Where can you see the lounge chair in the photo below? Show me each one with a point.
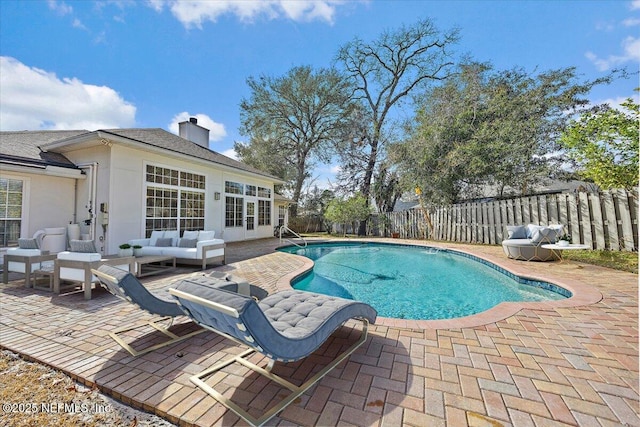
(285, 326)
(126, 286)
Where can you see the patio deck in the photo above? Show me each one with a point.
(554, 364)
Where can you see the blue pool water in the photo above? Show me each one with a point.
(414, 282)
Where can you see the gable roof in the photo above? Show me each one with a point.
(24, 147)
(161, 139)
(43, 148)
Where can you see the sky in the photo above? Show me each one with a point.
(152, 64)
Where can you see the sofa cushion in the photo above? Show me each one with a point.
(150, 251)
(206, 235)
(164, 242)
(516, 232)
(174, 235)
(155, 235)
(28, 243)
(187, 243)
(83, 246)
(186, 253)
(190, 234)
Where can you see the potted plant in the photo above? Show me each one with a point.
(125, 250)
(136, 250)
(564, 240)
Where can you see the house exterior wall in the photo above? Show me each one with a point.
(47, 201)
(121, 173)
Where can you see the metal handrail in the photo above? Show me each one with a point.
(284, 227)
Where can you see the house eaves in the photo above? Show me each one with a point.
(157, 141)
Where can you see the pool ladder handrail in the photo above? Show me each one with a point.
(285, 228)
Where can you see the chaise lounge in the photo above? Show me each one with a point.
(285, 326)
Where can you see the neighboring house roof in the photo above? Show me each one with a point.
(23, 147)
(47, 147)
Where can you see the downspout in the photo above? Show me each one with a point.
(93, 193)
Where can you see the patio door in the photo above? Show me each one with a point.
(250, 220)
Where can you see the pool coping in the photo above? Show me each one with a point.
(582, 293)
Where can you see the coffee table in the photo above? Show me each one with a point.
(557, 249)
(155, 264)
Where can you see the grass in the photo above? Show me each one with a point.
(617, 260)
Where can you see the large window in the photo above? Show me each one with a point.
(10, 210)
(175, 200)
(233, 211)
(264, 212)
(282, 214)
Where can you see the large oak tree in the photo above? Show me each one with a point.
(292, 122)
(385, 72)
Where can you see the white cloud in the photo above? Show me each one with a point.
(216, 130)
(194, 13)
(630, 53)
(635, 5)
(60, 7)
(78, 24)
(631, 22)
(34, 99)
(231, 153)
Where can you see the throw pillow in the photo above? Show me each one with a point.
(516, 232)
(188, 243)
(28, 244)
(164, 242)
(206, 235)
(83, 246)
(531, 229)
(544, 235)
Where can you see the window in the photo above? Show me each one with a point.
(264, 192)
(233, 187)
(233, 211)
(264, 212)
(175, 200)
(282, 214)
(10, 210)
(251, 190)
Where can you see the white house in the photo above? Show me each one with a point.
(120, 184)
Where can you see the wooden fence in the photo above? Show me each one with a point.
(606, 220)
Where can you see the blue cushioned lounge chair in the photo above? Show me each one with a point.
(159, 302)
(285, 326)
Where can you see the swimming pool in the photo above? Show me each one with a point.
(415, 282)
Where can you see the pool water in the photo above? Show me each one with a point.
(412, 282)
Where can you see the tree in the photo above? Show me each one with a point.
(345, 211)
(484, 128)
(604, 143)
(384, 72)
(292, 122)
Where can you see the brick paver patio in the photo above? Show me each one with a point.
(568, 363)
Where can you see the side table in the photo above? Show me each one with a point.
(86, 266)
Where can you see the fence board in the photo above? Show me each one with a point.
(597, 223)
(542, 208)
(533, 209)
(585, 215)
(624, 222)
(552, 213)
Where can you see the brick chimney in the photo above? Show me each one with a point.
(193, 132)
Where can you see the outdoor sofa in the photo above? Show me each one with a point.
(194, 247)
(525, 242)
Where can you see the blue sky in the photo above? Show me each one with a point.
(106, 64)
